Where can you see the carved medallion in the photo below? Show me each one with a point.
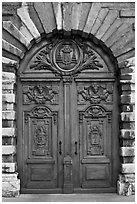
(40, 94)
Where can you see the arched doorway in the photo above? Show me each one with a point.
(67, 118)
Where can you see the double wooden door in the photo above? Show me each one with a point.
(68, 135)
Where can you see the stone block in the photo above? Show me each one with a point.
(126, 116)
(127, 160)
(9, 98)
(124, 188)
(126, 70)
(127, 13)
(127, 151)
(128, 125)
(8, 132)
(128, 86)
(9, 177)
(127, 142)
(7, 106)
(8, 123)
(10, 188)
(127, 99)
(127, 134)
(9, 77)
(128, 63)
(128, 168)
(129, 76)
(128, 108)
(8, 149)
(8, 140)
(7, 86)
(9, 167)
(8, 115)
(10, 158)
(8, 61)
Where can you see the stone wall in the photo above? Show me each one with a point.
(110, 25)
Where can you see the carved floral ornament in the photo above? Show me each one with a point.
(67, 57)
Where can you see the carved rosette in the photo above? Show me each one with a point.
(40, 94)
(67, 57)
(95, 94)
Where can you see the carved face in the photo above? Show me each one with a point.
(95, 88)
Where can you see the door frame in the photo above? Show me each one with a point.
(25, 76)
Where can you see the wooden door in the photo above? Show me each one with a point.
(41, 144)
(67, 119)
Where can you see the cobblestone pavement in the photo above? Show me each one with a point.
(71, 198)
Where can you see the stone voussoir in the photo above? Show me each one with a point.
(8, 115)
(8, 149)
(12, 49)
(127, 151)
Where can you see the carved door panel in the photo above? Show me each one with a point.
(41, 111)
(95, 109)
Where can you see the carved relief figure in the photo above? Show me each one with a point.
(94, 141)
(41, 137)
(39, 94)
(40, 140)
(95, 93)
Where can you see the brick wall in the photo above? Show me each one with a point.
(126, 180)
(10, 181)
(110, 25)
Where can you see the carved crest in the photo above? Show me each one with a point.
(66, 55)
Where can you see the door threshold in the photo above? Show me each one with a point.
(41, 191)
(95, 190)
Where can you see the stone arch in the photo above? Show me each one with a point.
(108, 25)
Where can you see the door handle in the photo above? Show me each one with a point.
(76, 148)
(60, 148)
